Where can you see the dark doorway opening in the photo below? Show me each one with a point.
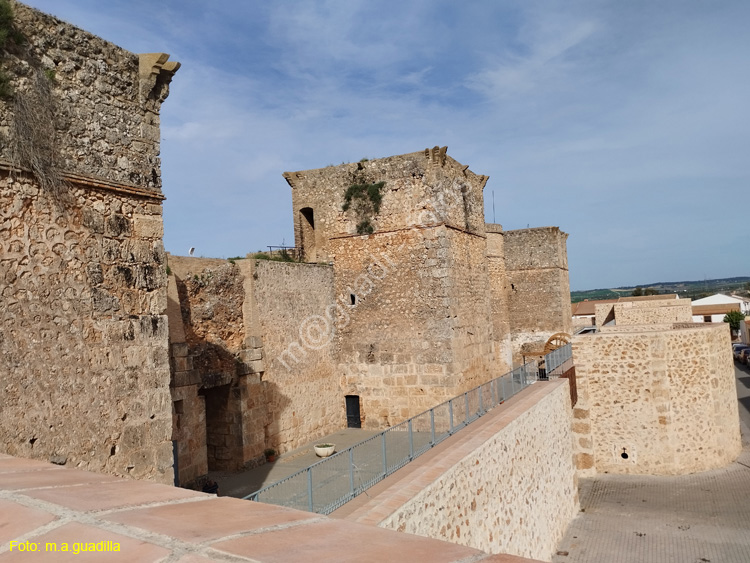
(307, 233)
(353, 419)
(223, 429)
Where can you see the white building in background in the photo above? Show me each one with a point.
(712, 309)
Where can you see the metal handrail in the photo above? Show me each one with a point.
(354, 471)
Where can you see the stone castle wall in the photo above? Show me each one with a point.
(653, 312)
(536, 262)
(656, 402)
(83, 356)
(303, 398)
(104, 101)
(84, 365)
(498, 278)
(244, 376)
(509, 486)
(393, 342)
(206, 329)
(419, 330)
(644, 311)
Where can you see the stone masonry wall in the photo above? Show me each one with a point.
(498, 279)
(201, 319)
(393, 342)
(536, 261)
(658, 402)
(104, 101)
(209, 373)
(304, 398)
(419, 331)
(645, 310)
(422, 188)
(245, 371)
(515, 492)
(83, 353)
(470, 310)
(653, 312)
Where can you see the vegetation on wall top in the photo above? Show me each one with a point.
(32, 138)
(282, 255)
(365, 199)
(8, 34)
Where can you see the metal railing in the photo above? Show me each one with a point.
(557, 361)
(332, 482)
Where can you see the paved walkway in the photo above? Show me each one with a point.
(55, 514)
(699, 518)
(238, 485)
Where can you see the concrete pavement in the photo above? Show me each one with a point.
(699, 518)
(241, 484)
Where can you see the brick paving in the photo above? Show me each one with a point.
(699, 518)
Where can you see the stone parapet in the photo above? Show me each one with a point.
(505, 484)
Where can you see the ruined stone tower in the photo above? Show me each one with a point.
(413, 306)
(536, 262)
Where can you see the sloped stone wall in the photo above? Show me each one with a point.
(510, 488)
(656, 402)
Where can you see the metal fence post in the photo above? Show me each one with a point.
(480, 399)
(411, 442)
(450, 415)
(432, 425)
(309, 489)
(351, 471)
(385, 461)
(466, 402)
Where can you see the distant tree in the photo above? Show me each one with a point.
(638, 291)
(734, 318)
(651, 291)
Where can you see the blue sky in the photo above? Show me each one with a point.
(623, 123)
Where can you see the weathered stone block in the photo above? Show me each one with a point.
(183, 363)
(148, 227)
(251, 355)
(584, 461)
(179, 349)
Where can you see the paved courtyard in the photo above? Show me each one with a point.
(700, 518)
(240, 484)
